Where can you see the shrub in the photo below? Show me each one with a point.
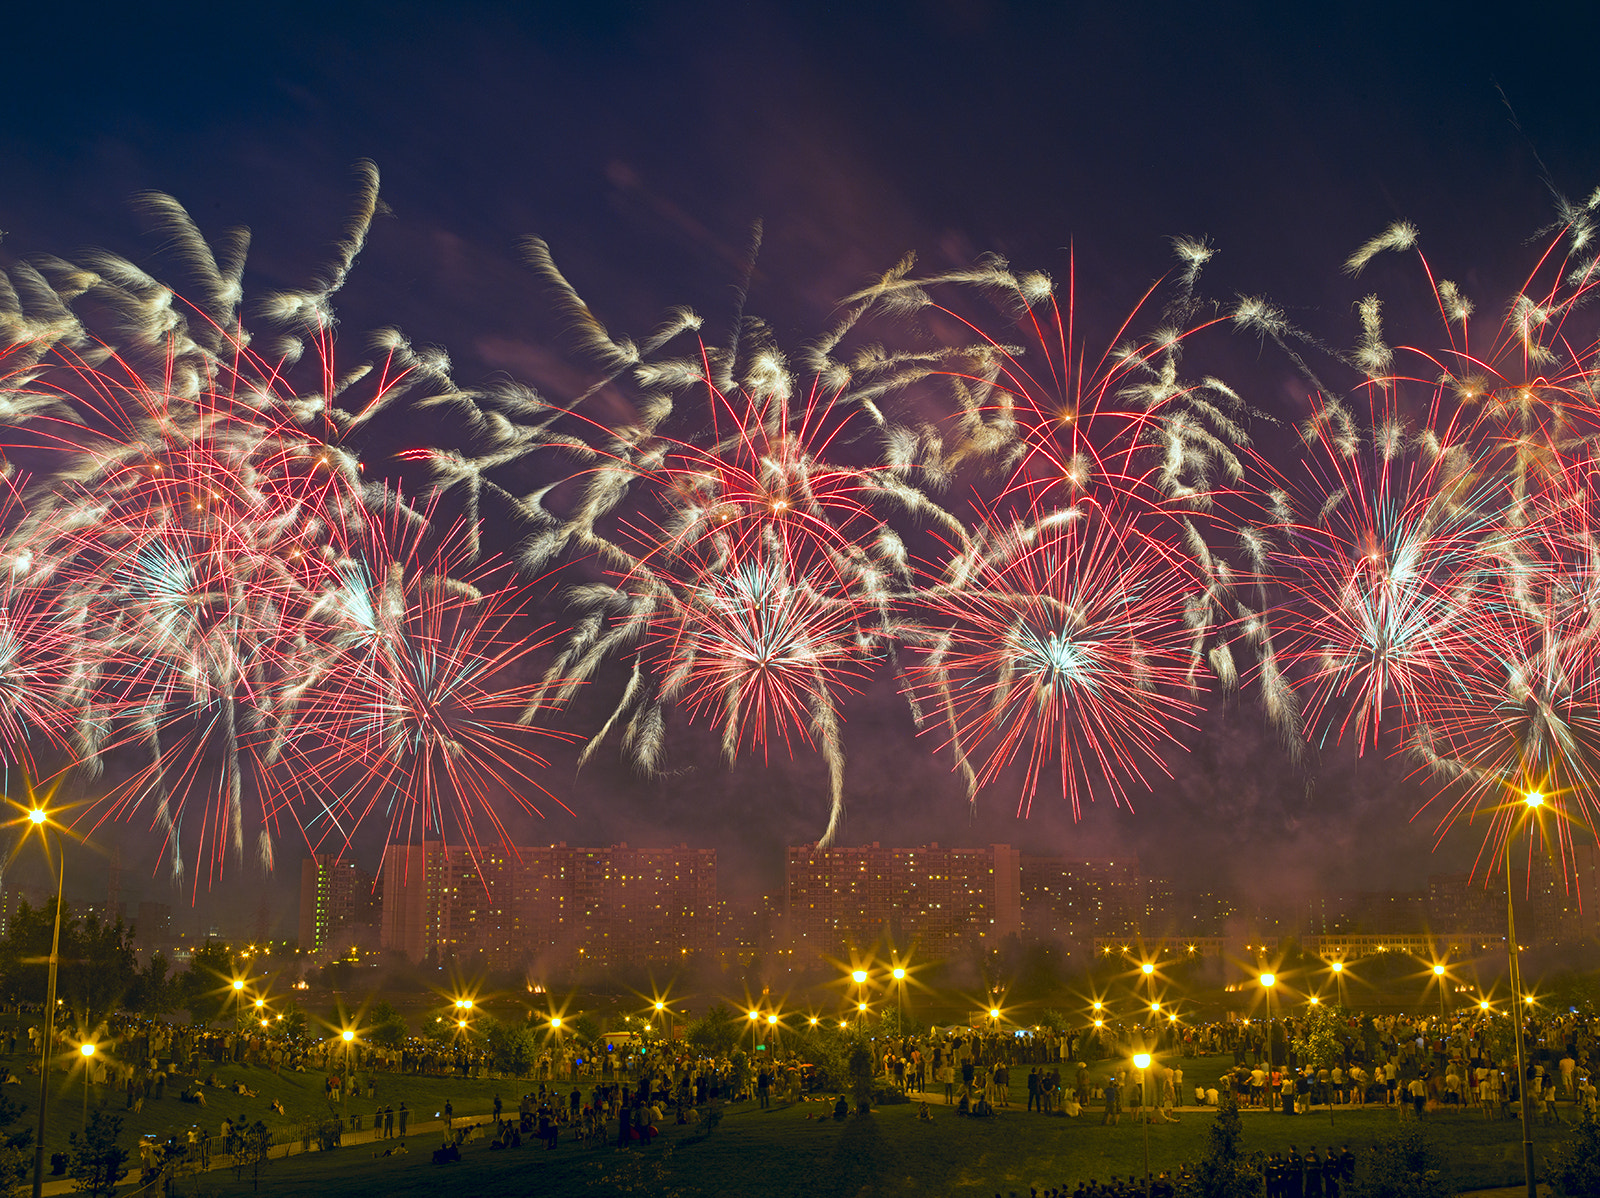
(1573, 1169)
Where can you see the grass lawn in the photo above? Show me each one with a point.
(783, 1152)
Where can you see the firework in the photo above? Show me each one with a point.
(1060, 640)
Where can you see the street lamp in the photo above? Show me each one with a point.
(899, 979)
(40, 818)
(1338, 980)
(772, 1029)
(1141, 1062)
(87, 1049)
(859, 976)
(349, 1037)
(1149, 970)
(664, 1016)
(1532, 801)
(1267, 982)
(755, 1016)
(1438, 973)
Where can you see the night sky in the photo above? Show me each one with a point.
(642, 142)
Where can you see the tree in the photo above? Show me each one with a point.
(1403, 1165)
(153, 992)
(96, 964)
(94, 1160)
(1573, 1169)
(1317, 1037)
(16, 1157)
(715, 1033)
(205, 989)
(584, 1030)
(513, 1047)
(253, 1151)
(860, 1067)
(1224, 1173)
(385, 1026)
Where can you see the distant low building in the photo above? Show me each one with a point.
(927, 901)
(556, 903)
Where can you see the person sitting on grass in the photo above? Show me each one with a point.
(446, 1153)
(841, 1109)
(923, 1113)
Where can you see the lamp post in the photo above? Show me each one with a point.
(859, 976)
(755, 1017)
(349, 1038)
(87, 1049)
(39, 818)
(1141, 1062)
(1438, 973)
(665, 1016)
(1267, 982)
(772, 1029)
(1533, 800)
(899, 984)
(1149, 971)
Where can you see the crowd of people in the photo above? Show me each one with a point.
(626, 1095)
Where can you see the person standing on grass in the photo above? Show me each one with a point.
(405, 1115)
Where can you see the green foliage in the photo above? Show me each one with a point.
(253, 1150)
(827, 1050)
(1224, 1173)
(94, 1160)
(1055, 1021)
(153, 992)
(1573, 1169)
(513, 1047)
(16, 1157)
(205, 989)
(1317, 1038)
(738, 1071)
(584, 1030)
(292, 1026)
(385, 1026)
(1403, 1165)
(860, 1070)
(97, 969)
(715, 1033)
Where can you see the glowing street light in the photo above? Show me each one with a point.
(39, 820)
(1141, 1062)
(1267, 982)
(1149, 970)
(349, 1038)
(87, 1048)
(1532, 801)
(899, 975)
(1438, 974)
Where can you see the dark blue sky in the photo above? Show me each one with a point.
(642, 140)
